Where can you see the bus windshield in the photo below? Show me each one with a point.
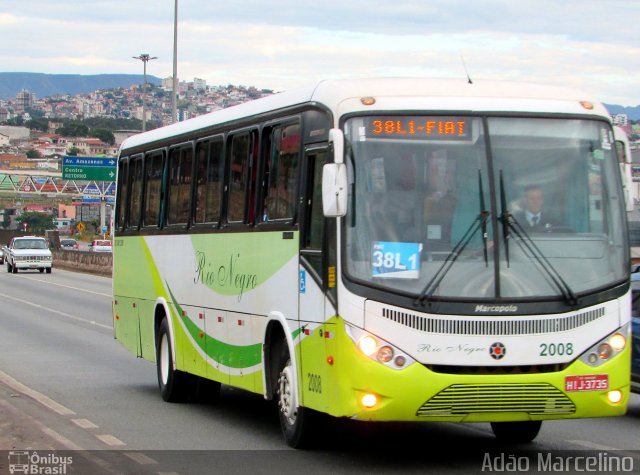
(484, 207)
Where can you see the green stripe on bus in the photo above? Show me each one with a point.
(243, 356)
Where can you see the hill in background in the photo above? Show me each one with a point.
(45, 85)
(632, 112)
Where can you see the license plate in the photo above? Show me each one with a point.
(588, 382)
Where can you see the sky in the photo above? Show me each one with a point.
(592, 45)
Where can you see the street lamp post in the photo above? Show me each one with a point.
(145, 58)
(174, 85)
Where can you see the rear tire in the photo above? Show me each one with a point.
(297, 422)
(173, 383)
(48, 270)
(521, 432)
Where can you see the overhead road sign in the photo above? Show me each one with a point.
(89, 168)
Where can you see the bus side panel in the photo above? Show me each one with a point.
(135, 291)
(125, 324)
(204, 277)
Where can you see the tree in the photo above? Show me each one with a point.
(73, 151)
(73, 129)
(33, 153)
(37, 222)
(39, 123)
(103, 134)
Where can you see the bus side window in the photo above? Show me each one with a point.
(279, 183)
(242, 164)
(209, 181)
(154, 164)
(123, 168)
(135, 192)
(179, 187)
(314, 222)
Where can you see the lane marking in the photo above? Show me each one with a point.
(84, 423)
(140, 458)
(65, 286)
(57, 437)
(57, 312)
(110, 440)
(32, 393)
(592, 445)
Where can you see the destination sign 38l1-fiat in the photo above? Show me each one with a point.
(419, 128)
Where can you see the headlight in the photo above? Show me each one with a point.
(378, 349)
(607, 348)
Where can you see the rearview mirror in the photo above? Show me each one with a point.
(334, 190)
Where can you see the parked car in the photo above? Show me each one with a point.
(2, 255)
(101, 245)
(68, 244)
(28, 252)
(635, 330)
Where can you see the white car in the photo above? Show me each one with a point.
(28, 252)
(101, 245)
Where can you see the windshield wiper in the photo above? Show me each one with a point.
(510, 223)
(504, 217)
(479, 223)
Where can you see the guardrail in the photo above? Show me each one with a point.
(100, 263)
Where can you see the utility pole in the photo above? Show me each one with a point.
(174, 93)
(145, 58)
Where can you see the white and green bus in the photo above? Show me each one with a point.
(361, 249)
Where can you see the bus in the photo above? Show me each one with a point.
(359, 249)
(623, 149)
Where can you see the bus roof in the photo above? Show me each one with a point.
(453, 94)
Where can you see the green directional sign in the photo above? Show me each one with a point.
(88, 173)
(89, 168)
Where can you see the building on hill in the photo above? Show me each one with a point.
(15, 133)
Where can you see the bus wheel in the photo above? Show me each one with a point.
(517, 432)
(295, 420)
(172, 382)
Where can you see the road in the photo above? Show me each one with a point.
(65, 383)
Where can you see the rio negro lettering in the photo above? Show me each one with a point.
(223, 275)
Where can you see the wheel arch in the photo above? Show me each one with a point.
(162, 311)
(276, 334)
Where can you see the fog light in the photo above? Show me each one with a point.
(604, 351)
(593, 358)
(614, 396)
(617, 342)
(385, 354)
(367, 345)
(369, 400)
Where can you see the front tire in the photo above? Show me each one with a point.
(171, 381)
(521, 432)
(296, 422)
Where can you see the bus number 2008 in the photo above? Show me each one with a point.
(556, 349)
